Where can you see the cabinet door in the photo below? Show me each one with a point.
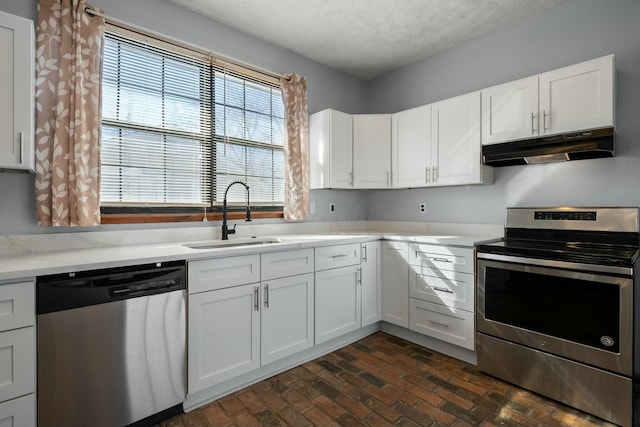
(20, 412)
(17, 362)
(337, 302)
(372, 150)
(510, 111)
(224, 335)
(217, 273)
(330, 150)
(577, 97)
(395, 283)
(411, 147)
(455, 139)
(371, 282)
(16, 92)
(287, 316)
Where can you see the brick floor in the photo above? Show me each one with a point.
(383, 381)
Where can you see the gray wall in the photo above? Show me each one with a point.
(326, 88)
(570, 33)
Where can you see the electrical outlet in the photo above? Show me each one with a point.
(332, 207)
(423, 208)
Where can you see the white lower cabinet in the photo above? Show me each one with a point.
(337, 302)
(241, 327)
(286, 317)
(448, 324)
(17, 354)
(395, 283)
(371, 279)
(224, 335)
(20, 412)
(441, 290)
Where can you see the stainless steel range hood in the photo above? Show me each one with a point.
(558, 148)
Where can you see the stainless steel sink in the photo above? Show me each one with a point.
(217, 244)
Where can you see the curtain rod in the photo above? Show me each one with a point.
(232, 61)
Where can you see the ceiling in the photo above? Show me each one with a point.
(367, 38)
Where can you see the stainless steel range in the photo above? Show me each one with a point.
(557, 300)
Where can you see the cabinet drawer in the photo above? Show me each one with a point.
(450, 288)
(448, 324)
(17, 363)
(219, 273)
(19, 412)
(337, 256)
(450, 258)
(17, 305)
(286, 263)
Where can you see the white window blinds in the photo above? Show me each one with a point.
(176, 130)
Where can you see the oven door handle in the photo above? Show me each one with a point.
(592, 268)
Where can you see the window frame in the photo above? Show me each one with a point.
(147, 212)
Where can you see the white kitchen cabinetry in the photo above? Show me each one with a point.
(578, 97)
(287, 314)
(372, 150)
(338, 291)
(16, 93)
(441, 289)
(371, 281)
(253, 322)
(411, 147)
(395, 279)
(575, 98)
(330, 150)
(455, 142)
(17, 354)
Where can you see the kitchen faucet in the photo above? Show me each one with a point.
(225, 228)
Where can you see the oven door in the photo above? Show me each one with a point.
(579, 315)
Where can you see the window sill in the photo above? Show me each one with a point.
(145, 218)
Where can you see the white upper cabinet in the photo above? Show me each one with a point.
(411, 147)
(578, 97)
(510, 111)
(372, 150)
(16, 92)
(330, 150)
(574, 98)
(455, 142)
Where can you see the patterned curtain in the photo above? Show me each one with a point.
(68, 73)
(296, 148)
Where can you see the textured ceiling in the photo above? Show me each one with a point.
(367, 38)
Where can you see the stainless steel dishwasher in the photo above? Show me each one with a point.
(111, 346)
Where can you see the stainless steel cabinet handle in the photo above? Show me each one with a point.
(533, 118)
(359, 276)
(339, 256)
(544, 120)
(364, 253)
(256, 297)
(266, 295)
(350, 178)
(427, 174)
(441, 260)
(435, 174)
(21, 147)
(437, 322)
(439, 289)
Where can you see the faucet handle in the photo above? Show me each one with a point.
(233, 230)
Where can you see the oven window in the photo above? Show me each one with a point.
(576, 310)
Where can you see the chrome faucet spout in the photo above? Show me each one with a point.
(225, 229)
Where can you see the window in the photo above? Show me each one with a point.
(177, 130)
